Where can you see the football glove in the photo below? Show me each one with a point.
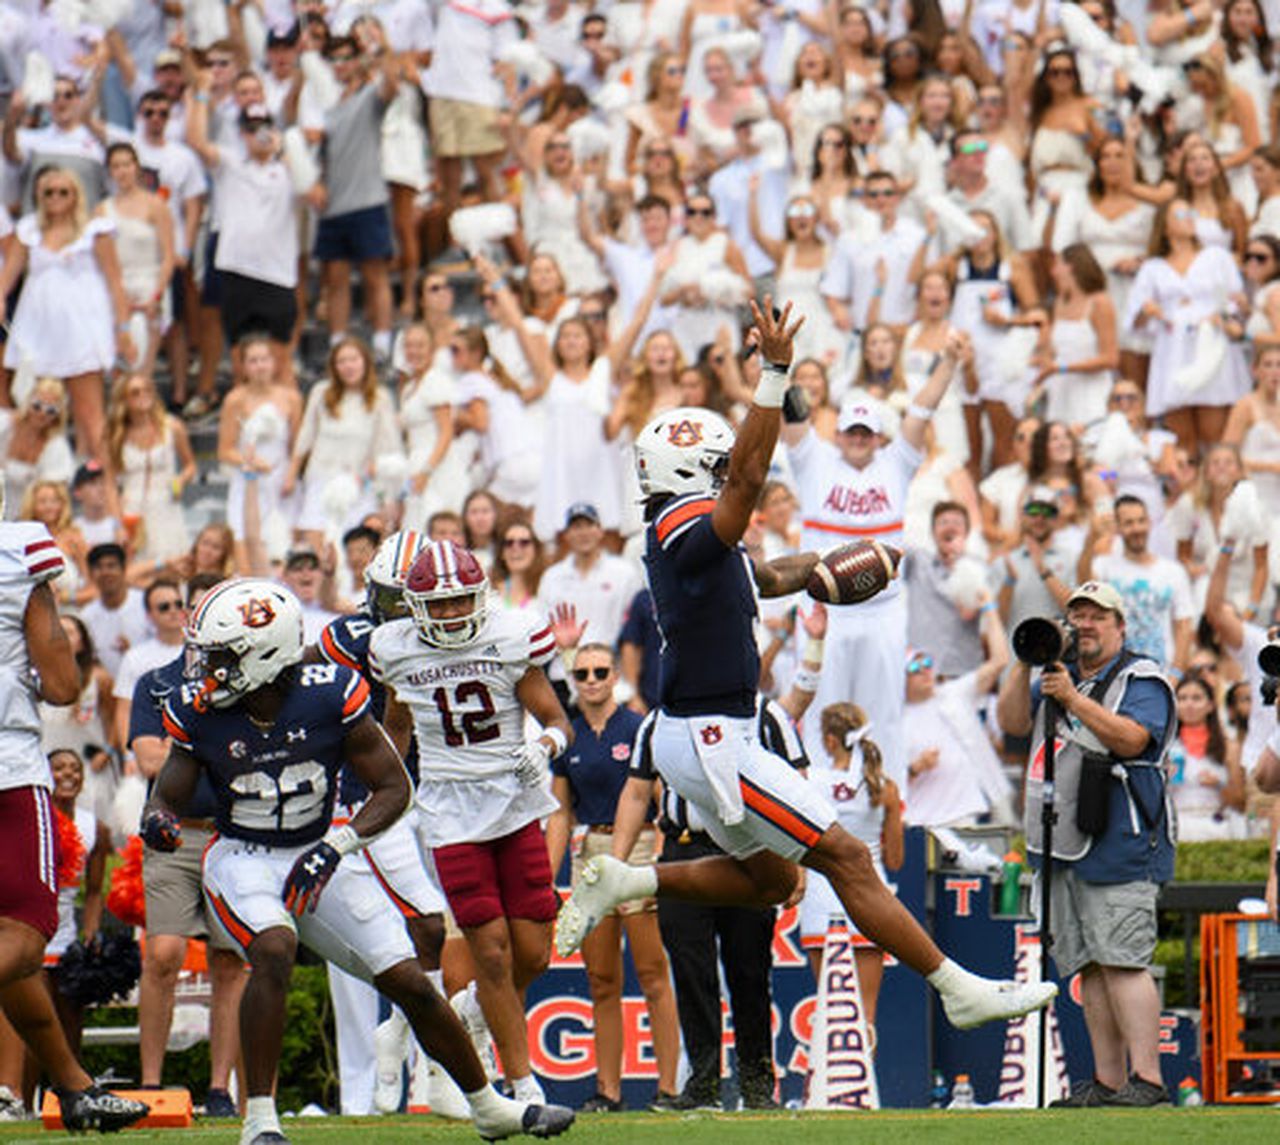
(161, 831)
(531, 762)
(310, 875)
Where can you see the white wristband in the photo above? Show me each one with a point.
(774, 382)
(558, 738)
(344, 839)
(806, 680)
(923, 414)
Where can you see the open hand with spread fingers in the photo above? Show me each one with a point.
(775, 330)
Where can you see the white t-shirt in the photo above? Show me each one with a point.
(1155, 595)
(851, 274)
(178, 175)
(259, 236)
(476, 32)
(138, 661)
(601, 595)
(115, 630)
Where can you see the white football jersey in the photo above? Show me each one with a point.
(466, 713)
(28, 556)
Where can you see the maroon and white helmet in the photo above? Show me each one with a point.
(445, 571)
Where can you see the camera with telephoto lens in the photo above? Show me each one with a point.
(1039, 641)
(1269, 664)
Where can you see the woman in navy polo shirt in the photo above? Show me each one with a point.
(587, 780)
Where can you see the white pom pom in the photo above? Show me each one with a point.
(474, 228)
(723, 287)
(265, 424)
(587, 137)
(127, 804)
(1210, 353)
(304, 172)
(37, 80)
(141, 335)
(255, 31)
(612, 97)
(389, 473)
(24, 379)
(277, 536)
(339, 495)
(967, 585)
(741, 47)
(529, 63)
(768, 135)
(207, 22)
(1242, 517)
(323, 89)
(1116, 443)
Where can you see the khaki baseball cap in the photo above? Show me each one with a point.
(1099, 593)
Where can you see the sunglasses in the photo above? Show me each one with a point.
(56, 193)
(802, 211)
(674, 70)
(699, 212)
(918, 664)
(558, 145)
(660, 153)
(517, 543)
(46, 407)
(878, 194)
(1040, 509)
(903, 52)
(1257, 256)
(66, 93)
(974, 147)
(1125, 399)
(156, 113)
(864, 120)
(583, 674)
(168, 606)
(593, 35)
(219, 63)
(833, 142)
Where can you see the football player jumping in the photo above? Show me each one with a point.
(701, 486)
(272, 734)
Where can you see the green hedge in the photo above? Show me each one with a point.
(308, 1060)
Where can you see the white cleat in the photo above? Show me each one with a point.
(444, 1095)
(467, 1006)
(519, 1117)
(391, 1046)
(602, 885)
(988, 1000)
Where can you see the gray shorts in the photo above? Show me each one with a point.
(174, 888)
(1105, 924)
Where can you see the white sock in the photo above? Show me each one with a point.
(486, 1101)
(951, 978)
(259, 1117)
(644, 880)
(382, 343)
(527, 1089)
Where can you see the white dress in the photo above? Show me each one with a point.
(948, 420)
(1059, 162)
(1187, 300)
(550, 219)
(446, 487)
(140, 255)
(1077, 399)
(404, 141)
(974, 292)
(818, 337)
(146, 491)
(696, 326)
(1188, 522)
(60, 284)
(578, 462)
(1112, 241)
(55, 463)
(264, 430)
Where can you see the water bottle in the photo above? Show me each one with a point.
(1189, 1093)
(938, 1094)
(961, 1093)
(1177, 763)
(1011, 885)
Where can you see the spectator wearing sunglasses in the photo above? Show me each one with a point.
(971, 189)
(588, 780)
(953, 773)
(33, 442)
(1038, 575)
(167, 614)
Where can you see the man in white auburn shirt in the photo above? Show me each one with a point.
(869, 281)
(856, 489)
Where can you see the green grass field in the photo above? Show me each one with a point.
(1084, 1127)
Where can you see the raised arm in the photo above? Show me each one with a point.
(958, 351)
(753, 450)
(49, 648)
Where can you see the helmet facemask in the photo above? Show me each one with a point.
(217, 668)
(452, 631)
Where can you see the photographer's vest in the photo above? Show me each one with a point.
(1073, 741)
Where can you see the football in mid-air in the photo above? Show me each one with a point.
(853, 573)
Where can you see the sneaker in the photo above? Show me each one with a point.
(1084, 1095)
(1138, 1093)
(683, 1103)
(95, 1108)
(759, 1101)
(602, 1104)
(991, 1001)
(516, 1117)
(218, 1103)
(603, 884)
(467, 1006)
(391, 1047)
(11, 1107)
(197, 407)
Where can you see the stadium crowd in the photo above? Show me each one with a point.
(278, 280)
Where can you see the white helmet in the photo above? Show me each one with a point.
(445, 571)
(384, 575)
(242, 635)
(684, 450)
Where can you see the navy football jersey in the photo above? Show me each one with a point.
(705, 600)
(275, 785)
(345, 640)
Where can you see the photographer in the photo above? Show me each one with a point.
(1114, 839)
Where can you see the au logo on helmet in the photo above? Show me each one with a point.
(685, 433)
(257, 612)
